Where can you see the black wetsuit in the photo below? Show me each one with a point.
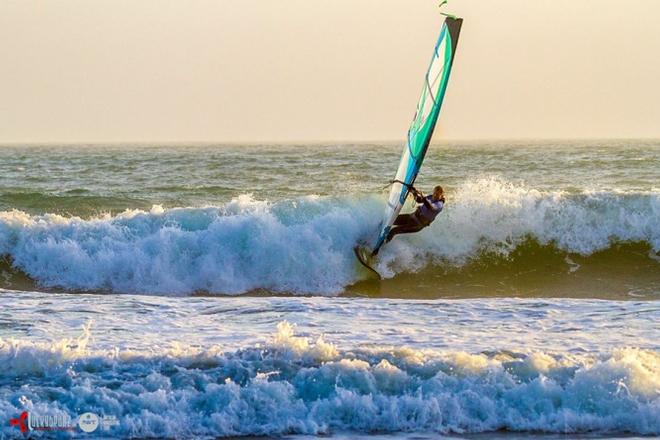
(421, 218)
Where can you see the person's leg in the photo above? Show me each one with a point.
(405, 220)
(404, 229)
(405, 223)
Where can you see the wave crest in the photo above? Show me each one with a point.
(294, 386)
(304, 245)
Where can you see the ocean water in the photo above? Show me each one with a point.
(211, 291)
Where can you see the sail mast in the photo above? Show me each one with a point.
(424, 121)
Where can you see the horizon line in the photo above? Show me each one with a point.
(316, 142)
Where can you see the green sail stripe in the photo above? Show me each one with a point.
(422, 126)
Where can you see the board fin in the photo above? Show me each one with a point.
(363, 255)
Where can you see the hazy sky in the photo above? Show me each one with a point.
(287, 70)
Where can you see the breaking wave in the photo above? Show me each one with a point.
(292, 385)
(305, 245)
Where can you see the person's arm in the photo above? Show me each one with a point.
(435, 205)
(419, 197)
(425, 201)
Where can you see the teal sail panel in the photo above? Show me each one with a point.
(426, 116)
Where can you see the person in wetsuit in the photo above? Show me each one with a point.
(429, 208)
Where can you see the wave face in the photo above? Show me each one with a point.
(292, 385)
(305, 245)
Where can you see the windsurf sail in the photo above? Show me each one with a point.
(421, 128)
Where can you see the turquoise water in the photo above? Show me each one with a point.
(543, 219)
(174, 367)
(89, 180)
(211, 291)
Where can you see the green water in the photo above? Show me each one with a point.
(86, 180)
(569, 218)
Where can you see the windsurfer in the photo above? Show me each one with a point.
(429, 208)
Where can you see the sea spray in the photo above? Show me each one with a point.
(304, 245)
(294, 385)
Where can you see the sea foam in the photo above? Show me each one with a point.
(305, 245)
(293, 385)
